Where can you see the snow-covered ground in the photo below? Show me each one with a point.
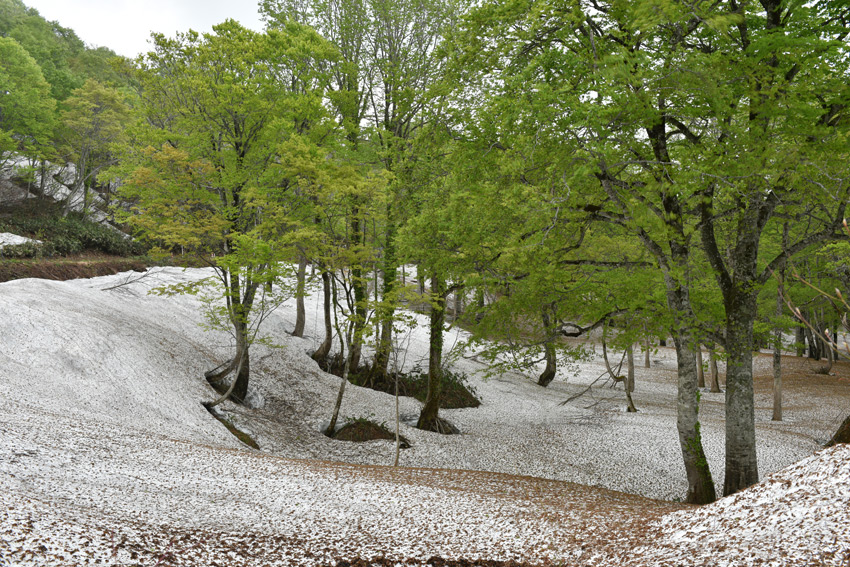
(106, 454)
(9, 239)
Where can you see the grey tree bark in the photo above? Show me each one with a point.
(321, 354)
(429, 416)
(300, 311)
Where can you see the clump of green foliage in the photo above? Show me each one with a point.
(63, 235)
(456, 393)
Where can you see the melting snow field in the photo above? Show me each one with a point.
(108, 457)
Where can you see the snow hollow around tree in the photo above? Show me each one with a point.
(106, 453)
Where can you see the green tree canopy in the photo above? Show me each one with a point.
(26, 110)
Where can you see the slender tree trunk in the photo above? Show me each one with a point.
(300, 312)
(647, 346)
(479, 305)
(359, 285)
(226, 394)
(714, 375)
(700, 484)
(240, 388)
(321, 353)
(346, 368)
(800, 339)
(386, 310)
(700, 369)
(397, 425)
(777, 353)
(814, 346)
(548, 350)
(420, 279)
(630, 378)
(842, 434)
(428, 418)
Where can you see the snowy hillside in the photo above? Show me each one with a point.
(106, 454)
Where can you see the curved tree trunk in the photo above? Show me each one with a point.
(630, 378)
(300, 312)
(548, 351)
(428, 417)
(321, 354)
(700, 484)
(842, 435)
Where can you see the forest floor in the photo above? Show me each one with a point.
(108, 457)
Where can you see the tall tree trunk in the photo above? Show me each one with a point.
(647, 346)
(700, 369)
(420, 279)
(842, 434)
(630, 378)
(300, 312)
(741, 459)
(700, 484)
(713, 374)
(428, 418)
(814, 344)
(548, 350)
(777, 379)
(800, 339)
(777, 356)
(386, 309)
(321, 353)
(359, 285)
(240, 388)
(346, 368)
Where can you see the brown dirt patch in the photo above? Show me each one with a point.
(88, 265)
(361, 430)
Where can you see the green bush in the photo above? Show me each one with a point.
(67, 235)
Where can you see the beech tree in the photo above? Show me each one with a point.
(691, 127)
(220, 108)
(94, 121)
(387, 63)
(27, 113)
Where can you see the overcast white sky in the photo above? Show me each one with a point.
(125, 25)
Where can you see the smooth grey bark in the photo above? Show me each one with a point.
(800, 338)
(386, 310)
(777, 358)
(700, 370)
(346, 368)
(551, 369)
(700, 483)
(741, 459)
(630, 378)
(429, 416)
(359, 286)
(713, 374)
(676, 272)
(321, 354)
(300, 311)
